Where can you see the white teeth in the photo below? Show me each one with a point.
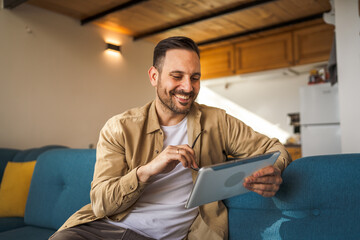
(185, 97)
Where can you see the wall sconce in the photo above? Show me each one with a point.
(113, 48)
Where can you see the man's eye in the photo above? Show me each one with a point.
(195, 79)
(177, 77)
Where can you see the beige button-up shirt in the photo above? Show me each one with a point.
(134, 138)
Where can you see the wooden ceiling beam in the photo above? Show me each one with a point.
(111, 10)
(202, 18)
(262, 29)
(10, 4)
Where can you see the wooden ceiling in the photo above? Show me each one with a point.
(205, 21)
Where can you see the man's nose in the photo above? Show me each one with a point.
(186, 85)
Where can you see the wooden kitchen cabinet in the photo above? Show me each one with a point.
(265, 53)
(313, 44)
(217, 62)
(294, 151)
(310, 44)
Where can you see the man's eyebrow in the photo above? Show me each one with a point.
(176, 72)
(181, 72)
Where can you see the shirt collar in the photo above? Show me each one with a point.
(153, 120)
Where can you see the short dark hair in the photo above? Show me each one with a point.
(177, 42)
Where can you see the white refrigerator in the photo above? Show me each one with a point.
(319, 120)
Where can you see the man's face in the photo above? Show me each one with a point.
(179, 82)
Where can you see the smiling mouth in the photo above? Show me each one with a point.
(184, 100)
(182, 97)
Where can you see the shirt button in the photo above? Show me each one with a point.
(160, 133)
(157, 151)
(131, 187)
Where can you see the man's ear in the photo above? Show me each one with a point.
(154, 76)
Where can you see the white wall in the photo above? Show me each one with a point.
(57, 84)
(347, 28)
(267, 96)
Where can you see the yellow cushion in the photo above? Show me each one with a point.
(14, 188)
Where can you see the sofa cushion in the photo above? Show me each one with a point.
(27, 233)
(14, 188)
(60, 186)
(317, 200)
(11, 223)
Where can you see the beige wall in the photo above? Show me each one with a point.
(57, 84)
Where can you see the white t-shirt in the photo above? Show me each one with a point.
(160, 211)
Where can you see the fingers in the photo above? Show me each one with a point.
(277, 180)
(262, 187)
(166, 161)
(269, 170)
(266, 190)
(265, 182)
(265, 193)
(186, 155)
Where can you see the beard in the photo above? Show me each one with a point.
(167, 99)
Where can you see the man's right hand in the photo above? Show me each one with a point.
(167, 161)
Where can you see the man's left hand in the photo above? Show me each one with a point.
(265, 181)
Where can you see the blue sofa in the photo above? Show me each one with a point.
(60, 186)
(319, 199)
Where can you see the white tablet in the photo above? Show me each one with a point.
(225, 180)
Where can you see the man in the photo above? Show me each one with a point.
(144, 169)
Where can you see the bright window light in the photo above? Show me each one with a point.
(211, 98)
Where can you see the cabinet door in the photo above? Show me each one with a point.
(263, 54)
(217, 62)
(294, 151)
(313, 44)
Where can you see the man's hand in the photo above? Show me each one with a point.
(265, 182)
(167, 161)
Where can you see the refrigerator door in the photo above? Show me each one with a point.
(319, 104)
(320, 139)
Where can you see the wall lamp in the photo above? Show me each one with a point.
(113, 47)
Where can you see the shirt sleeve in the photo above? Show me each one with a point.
(115, 187)
(243, 141)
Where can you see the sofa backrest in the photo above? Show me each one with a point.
(60, 186)
(15, 155)
(319, 199)
(6, 155)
